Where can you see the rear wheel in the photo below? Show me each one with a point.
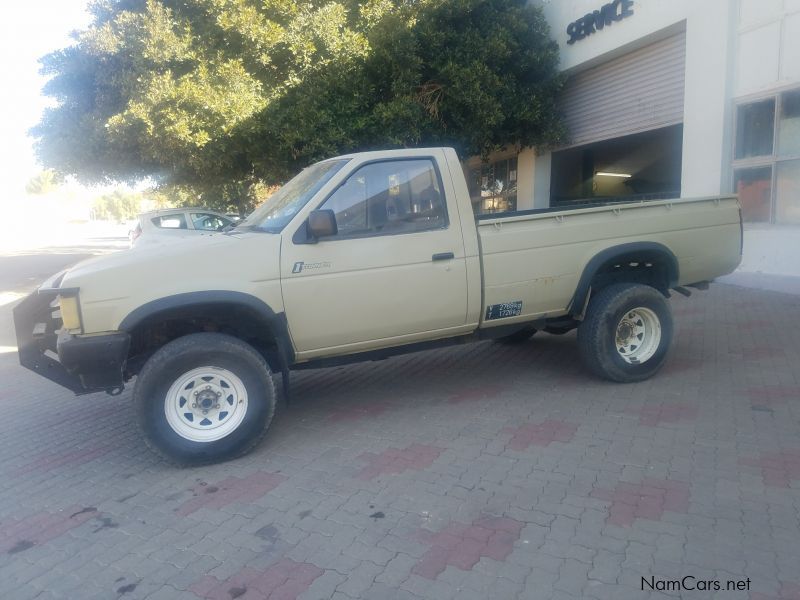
(205, 397)
(627, 332)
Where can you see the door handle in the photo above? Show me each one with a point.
(443, 256)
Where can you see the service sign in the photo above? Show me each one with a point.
(596, 20)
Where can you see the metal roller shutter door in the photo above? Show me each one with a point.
(640, 91)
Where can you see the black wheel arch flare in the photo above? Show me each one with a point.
(179, 305)
(633, 251)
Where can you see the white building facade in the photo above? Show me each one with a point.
(668, 99)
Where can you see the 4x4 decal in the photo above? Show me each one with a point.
(300, 265)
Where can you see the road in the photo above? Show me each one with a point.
(483, 471)
(24, 266)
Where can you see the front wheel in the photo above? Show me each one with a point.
(627, 332)
(203, 398)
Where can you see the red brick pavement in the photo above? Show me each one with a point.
(646, 500)
(19, 535)
(462, 546)
(540, 434)
(655, 415)
(229, 490)
(778, 469)
(393, 461)
(285, 580)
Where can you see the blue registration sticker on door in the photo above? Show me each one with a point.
(504, 310)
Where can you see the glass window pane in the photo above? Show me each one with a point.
(787, 197)
(754, 187)
(389, 197)
(208, 222)
(754, 129)
(789, 125)
(349, 203)
(177, 221)
(496, 189)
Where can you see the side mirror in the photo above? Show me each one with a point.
(322, 223)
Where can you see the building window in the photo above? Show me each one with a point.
(789, 125)
(493, 186)
(754, 186)
(767, 159)
(641, 166)
(754, 129)
(787, 192)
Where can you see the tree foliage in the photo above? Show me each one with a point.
(44, 182)
(210, 97)
(117, 205)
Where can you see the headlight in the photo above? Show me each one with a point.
(70, 312)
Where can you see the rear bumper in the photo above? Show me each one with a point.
(82, 364)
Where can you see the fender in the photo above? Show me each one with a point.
(645, 251)
(174, 306)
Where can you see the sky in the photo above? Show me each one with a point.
(29, 29)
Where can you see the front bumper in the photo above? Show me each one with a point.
(82, 364)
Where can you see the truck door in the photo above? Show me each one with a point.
(395, 272)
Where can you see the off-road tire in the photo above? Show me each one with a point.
(597, 334)
(194, 351)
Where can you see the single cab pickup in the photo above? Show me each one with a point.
(360, 257)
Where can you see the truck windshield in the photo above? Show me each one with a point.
(283, 205)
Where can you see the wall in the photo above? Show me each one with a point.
(709, 70)
(768, 54)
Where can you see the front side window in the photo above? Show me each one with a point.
(399, 196)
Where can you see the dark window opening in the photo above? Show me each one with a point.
(642, 166)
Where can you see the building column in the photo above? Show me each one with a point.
(710, 29)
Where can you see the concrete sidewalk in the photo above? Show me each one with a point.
(763, 281)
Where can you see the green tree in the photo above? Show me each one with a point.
(214, 98)
(117, 205)
(43, 182)
(474, 74)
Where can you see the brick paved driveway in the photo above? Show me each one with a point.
(482, 471)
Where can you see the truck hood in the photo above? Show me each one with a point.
(243, 261)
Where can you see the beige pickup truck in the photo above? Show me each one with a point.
(356, 258)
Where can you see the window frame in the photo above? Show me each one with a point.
(767, 160)
(357, 236)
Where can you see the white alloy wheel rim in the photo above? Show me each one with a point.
(638, 335)
(206, 404)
